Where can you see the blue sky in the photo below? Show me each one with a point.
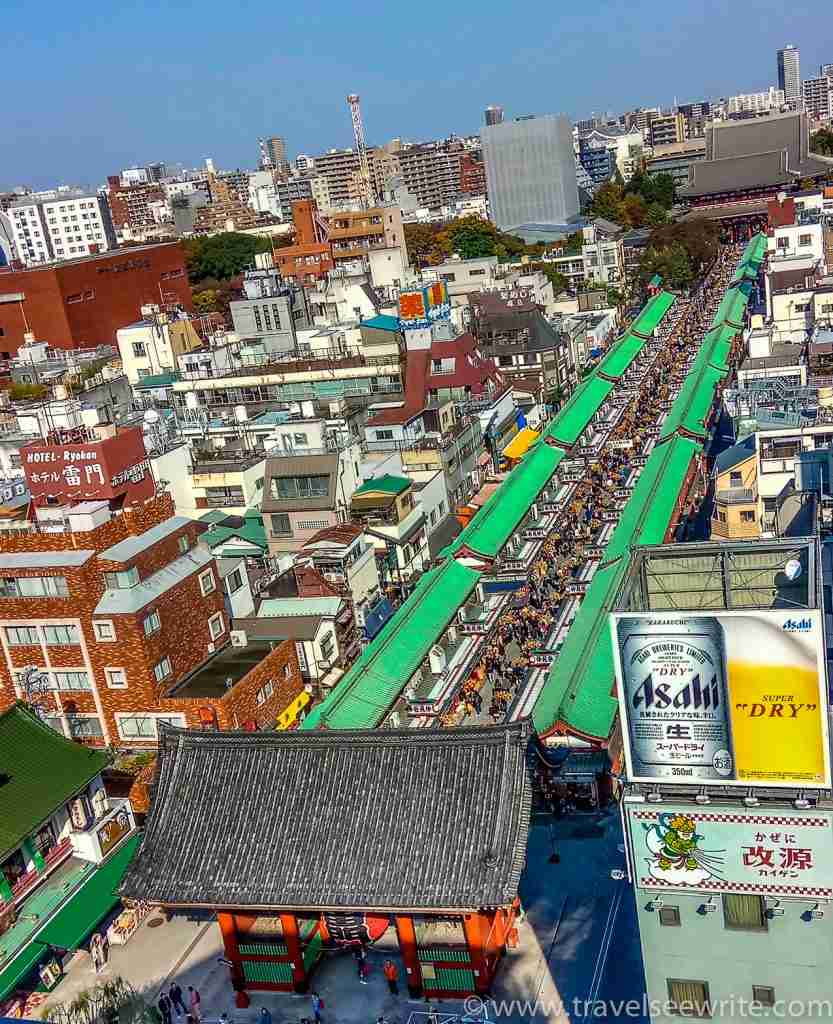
(91, 88)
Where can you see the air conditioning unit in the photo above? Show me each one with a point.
(211, 648)
(239, 638)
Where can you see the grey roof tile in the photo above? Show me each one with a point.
(385, 819)
(45, 559)
(132, 546)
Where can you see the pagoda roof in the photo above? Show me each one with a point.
(433, 819)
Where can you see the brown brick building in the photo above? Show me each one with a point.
(130, 204)
(122, 614)
(82, 303)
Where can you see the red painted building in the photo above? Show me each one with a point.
(82, 303)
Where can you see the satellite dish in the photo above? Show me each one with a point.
(793, 569)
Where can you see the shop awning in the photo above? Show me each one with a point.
(521, 443)
(16, 971)
(91, 903)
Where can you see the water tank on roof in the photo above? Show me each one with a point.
(437, 660)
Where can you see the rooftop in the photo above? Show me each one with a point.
(222, 671)
(386, 484)
(205, 845)
(382, 322)
(129, 600)
(130, 547)
(39, 771)
(299, 607)
(45, 559)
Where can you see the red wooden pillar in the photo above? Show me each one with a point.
(476, 928)
(292, 941)
(406, 934)
(228, 929)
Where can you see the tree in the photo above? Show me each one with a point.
(222, 256)
(26, 392)
(558, 281)
(656, 215)
(205, 301)
(419, 240)
(822, 142)
(608, 202)
(112, 1002)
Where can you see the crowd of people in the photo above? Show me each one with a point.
(527, 626)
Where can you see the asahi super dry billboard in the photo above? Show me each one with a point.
(736, 698)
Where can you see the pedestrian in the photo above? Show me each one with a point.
(317, 1006)
(194, 1000)
(265, 1016)
(392, 975)
(359, 955)
(364, 970)
(175, 995)
(164, 1006)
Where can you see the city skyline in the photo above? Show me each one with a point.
(225, 88)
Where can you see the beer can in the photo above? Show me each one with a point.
(675, 692)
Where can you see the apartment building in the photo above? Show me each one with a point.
(60, 225)
(337, 167)
(136, 207)
(817, 94)
(151, 346)
(355, 234)
(756, 102)
(667, 129)
(433, 172)
(387, 509)
(602, 253)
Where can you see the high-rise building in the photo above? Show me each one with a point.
(696, 115)
(531, 171)
(826, 71)
(816, 93)
(789, 73)
(275, 148)
(431, 172)
(493, 115)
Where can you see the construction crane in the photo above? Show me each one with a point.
(368, 196)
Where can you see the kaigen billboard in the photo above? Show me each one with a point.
(722, 849)
(737, 698)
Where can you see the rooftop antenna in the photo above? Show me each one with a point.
(368, 196)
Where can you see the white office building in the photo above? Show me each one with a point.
(531, 171)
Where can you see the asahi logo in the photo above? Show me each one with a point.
(691, 695)
(797, 625)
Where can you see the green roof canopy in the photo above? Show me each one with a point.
(387, 484)
(43, 769)
(653, 314)
(23, 963)
(492, 527)
(692, 405)
(620, 357)
(577, 413)
(93, 901)
(676, 462)
(363, 696)
(159, 380)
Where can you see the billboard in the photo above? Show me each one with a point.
(722, 849)
(420, 307)
(736, 698)
(73, 470)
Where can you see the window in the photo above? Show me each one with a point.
(71, 681)
(805, 239)
(162, 669)
(743, 913)
(802, 307)
(139, 349)
(234, 581)
(447, 277)
(747, 517)
(17, 636)
(216, 625)
(218, 497)
(782, 243)
(669, 916)
(60, 634)
(328, 643)
(116, 678)
(81, 727)
(183, 543)
(137, 727)
(763, 995)
(34, 586)
(104, 630)
(312, 524)
(152, 623)
(281, 524)
(688, 998)
(207, 582)
(299, 486)
(264, 693)
(258, 321)
(736, 479)
(384, 435)
(122, 580)
(287, 671)
(276, 314)
(477, 273)
(267, 318)
(302, 440)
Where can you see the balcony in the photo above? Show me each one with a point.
(737, 496)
